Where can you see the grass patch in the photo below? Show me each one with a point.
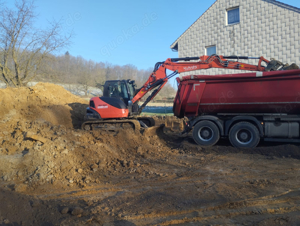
(158, 114)
(151, 104)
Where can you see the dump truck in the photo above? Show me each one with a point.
(244, 108)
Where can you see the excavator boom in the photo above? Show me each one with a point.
(159, 78)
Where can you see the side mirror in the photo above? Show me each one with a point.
(130, 106)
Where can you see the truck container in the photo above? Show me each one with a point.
(245, 108)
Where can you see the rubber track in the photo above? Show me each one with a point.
(134, 123)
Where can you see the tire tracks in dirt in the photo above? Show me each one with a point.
(286, 202)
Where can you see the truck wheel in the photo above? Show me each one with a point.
(244, 135)
(206, 133)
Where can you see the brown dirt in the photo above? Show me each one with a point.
(53, 173)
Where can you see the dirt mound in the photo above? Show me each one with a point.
(39, 153)
(39, 145)
(44, 101)
(34, 123)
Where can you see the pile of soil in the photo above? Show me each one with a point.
(44, 102)
(40, 144)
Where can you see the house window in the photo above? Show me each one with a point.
(210, 50)
(233, 16)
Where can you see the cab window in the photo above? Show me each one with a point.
(117, 89)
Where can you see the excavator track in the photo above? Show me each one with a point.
(145, 125)
(111, 125)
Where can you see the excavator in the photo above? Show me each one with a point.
(118, 107)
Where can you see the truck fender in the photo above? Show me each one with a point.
(252, 119)
(214, 119)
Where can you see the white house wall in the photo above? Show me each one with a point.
(265, 29)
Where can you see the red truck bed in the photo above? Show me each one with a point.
(260, 92)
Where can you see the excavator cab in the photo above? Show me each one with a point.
(115, 102)
(120, 89)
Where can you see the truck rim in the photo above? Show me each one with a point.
(244, 136)
(205, 133)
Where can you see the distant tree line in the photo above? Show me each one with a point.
(69, 69)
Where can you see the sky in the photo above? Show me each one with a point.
(137, 32)
(123, 32)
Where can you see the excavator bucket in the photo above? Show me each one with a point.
(154, 130)
(293, 66)
(174, 124)
(275, 65)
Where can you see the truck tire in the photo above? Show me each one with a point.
(206, 133)
(244, 135)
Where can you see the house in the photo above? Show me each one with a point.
(253, 28)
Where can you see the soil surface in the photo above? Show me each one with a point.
(54, 173)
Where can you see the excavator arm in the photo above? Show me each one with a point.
(159, 78)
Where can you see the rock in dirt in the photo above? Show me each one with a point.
(77, 211)
(35, 203)
(66, 151)
(30, 135)
(65, 210)
(20, 187)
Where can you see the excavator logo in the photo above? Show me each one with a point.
(102, 106)
(190, 68)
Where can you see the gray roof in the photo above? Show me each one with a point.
(283, 5)
(275, 2)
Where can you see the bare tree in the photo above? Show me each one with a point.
(85, 77)
(24, 48)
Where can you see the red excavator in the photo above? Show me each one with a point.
(118, 107)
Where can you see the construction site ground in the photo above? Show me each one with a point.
(54, 173)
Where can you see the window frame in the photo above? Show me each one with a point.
(229, 9)
(206, 47)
